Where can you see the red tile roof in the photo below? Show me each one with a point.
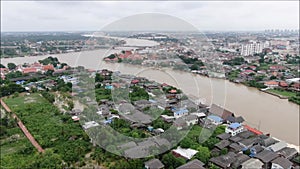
(48, 67)
(135, 81)
(271, 83)
(29, 70)
(283, 84)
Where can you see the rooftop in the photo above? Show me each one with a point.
(186, 153)
(266, 156)
(192, 164)
(154, 164)
(224, 161)
(234, 125)
(277, 146)
(215, 118)
(283, 162)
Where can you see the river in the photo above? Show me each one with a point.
(270, 114)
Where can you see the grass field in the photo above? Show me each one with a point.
(22, 100)
(51, 129)
(282, 93)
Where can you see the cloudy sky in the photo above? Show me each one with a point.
(94, 15)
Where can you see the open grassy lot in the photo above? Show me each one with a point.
(52, 129)
(282, 92)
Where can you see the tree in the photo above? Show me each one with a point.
(224, 151)
(272, 77)
(212, 166)
(194, 67)
(186, 143)
(171, 161)
(2, 66)
(203, 154)
(11, 66)
(210, 143)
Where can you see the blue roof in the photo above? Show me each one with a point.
(182, 111)
(215, 118)
(235, 125)
(109, 87)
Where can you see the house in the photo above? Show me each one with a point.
(129, 113)
(266, 157)
(252, 163)
(281, 163)
(192, 164)
(296, 86)
(179, 123)
(235, 139)
(199, 115)
(283, 84)
(142, 104)
(219, 111)
(89, 124)
(75, 118)
(215, 119)
(224, 161)
(136, 152)
(266, 141)
(47, 67)
(185, 153)
(277, 146)
(173, 91)
(191, 119)
(154, 164)
(223, 136)
(245, 134)
(222, 144)
(234, 129)
(167, 118)
(288, 153)
(249, 142)
(255, 150)
(271, 84)
(135, 81)
(162, 142)
(180, 112)
(235, 147)
(240, 158)
(232, 119)
(29, 70)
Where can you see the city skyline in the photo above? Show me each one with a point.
(95, 15)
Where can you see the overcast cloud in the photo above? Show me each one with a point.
(94, 15)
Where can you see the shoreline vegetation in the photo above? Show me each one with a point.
(65, 142)
(293, 97)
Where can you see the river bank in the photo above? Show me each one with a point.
(260, 109)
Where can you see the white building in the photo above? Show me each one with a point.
(185, 153)
(234, 129)
(253, 47)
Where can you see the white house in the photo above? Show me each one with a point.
(234, 129)
(191, 119)
(185, 153)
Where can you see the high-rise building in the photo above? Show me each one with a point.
(253, 47)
